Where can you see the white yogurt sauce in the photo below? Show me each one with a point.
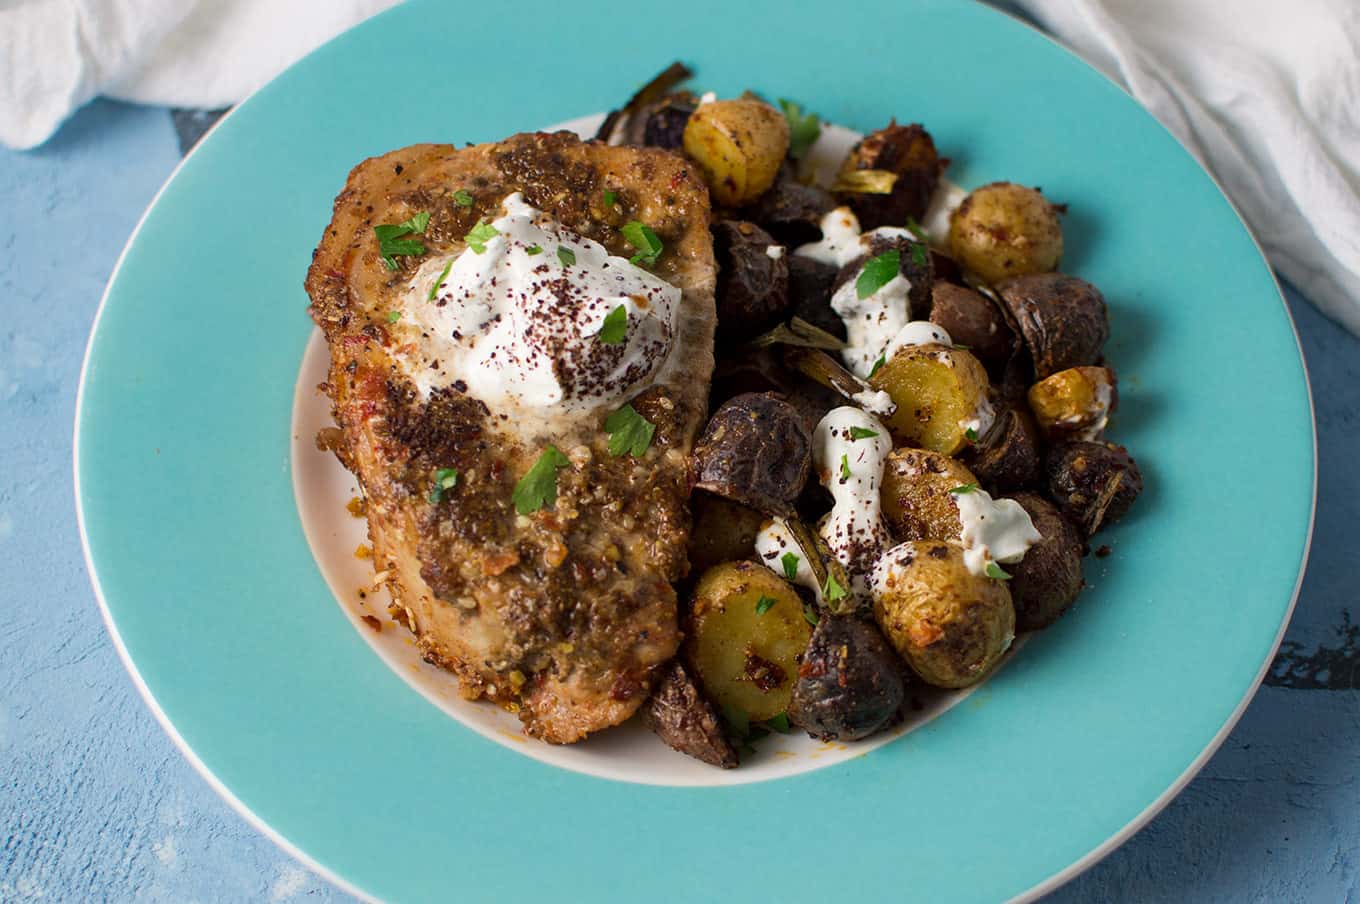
(994, 530)
(774, 252)
(1093, 431)
(839, 243)
(775, 541)
(948, 196)
(852, 469)
(707, 97)
(917, 332)
(875, 401)
(517, 327)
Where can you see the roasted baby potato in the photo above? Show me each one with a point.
(1074, 403)
(938, 391)
(739, 144)
(681, 717)
(905, 159)
(745, 632)
(722, 531)
(917, 503)
(1007, 457)
(1063, 320)
(1046, 582)
(753, 287)
(755, 450)
(1092, 483)
(791, 211)
(849, 683)
(1003, 229)
(810, 286)
(973, 320)
(951, 625)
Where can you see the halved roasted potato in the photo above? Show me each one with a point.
(745, 632)
(917, 503)
(940, 393)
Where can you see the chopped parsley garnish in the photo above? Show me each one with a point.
(963, 488)
(393, 316)
(845, 467)
(919, 257)
(862, 433)
(609, 198)
(482, 233)
(391, 245)
(790, 563)
(443, 274)
(444, 479)
(463, 198)
(533, 249)
(962, 348)
(629, 432)
(882, 359)
(566, 256)
(615, 326)
(916, 229)
(779, 723)
(971, 435)
(641, 237)
(833, 590)
(764, 604)
(538, 488)
(803, 127)
(737, 721)
(878, 272)
(995, 571)
(810, 615)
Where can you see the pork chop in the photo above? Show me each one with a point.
(563, 615)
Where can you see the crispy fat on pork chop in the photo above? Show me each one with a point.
(479, 361)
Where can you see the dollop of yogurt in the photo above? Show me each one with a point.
(518, 324)
(773, 543)
(947, 198)
(993, 530)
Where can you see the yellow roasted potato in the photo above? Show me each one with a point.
(739, 144)
(745, 632)
(917, 503)
(1075, 402)
(939, 392)
(1004, 229)
(950, 625)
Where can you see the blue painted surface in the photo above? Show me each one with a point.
(97, 804)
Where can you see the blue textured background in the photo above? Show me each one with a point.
(97, 804)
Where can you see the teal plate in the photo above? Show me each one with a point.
(210, 590)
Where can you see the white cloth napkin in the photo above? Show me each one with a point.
(1267, 94)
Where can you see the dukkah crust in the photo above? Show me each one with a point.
(564, 615)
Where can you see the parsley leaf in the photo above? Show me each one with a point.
(443, 274)
(533, 249)
(393, 316)
(764, 603)
(790, 563)
(615, 326)
(834, 591)
(609, 198)
(916, 229)
(463, 198)
(566, 256)
(538, 488)
(963, 488)
(882, 359)
(629, 432)
(780, 723)
(918, 254)
(810, 616)
(971, 435)
(444, 479)
(995, 571)
(845, 467)
(878, 272)
(861, 433)
(482, 233)
(391, 244)
(641, 237)
(803, 127)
